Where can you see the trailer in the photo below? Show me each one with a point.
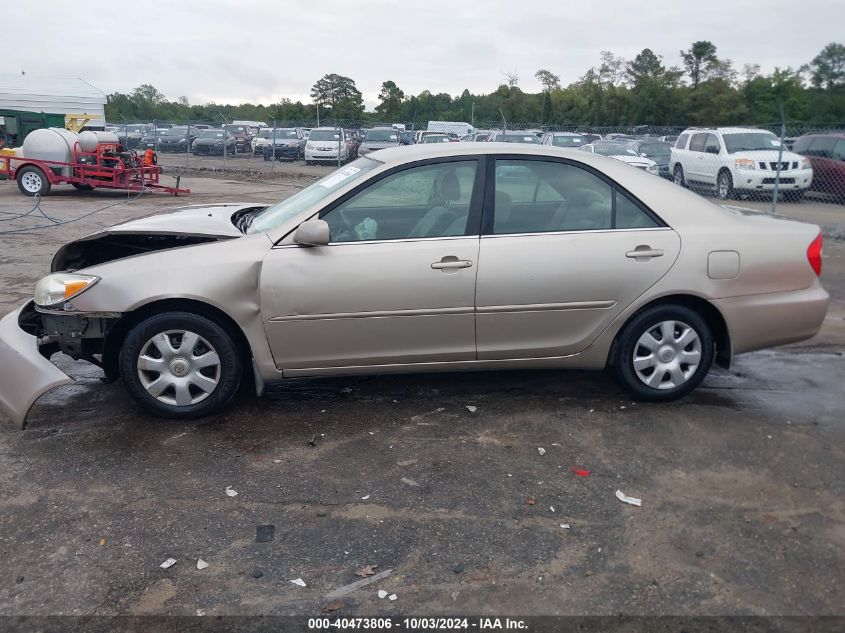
(93, 160)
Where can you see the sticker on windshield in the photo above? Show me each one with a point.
(776, 142)
(339, 176)
(576, 140)
(527, 138)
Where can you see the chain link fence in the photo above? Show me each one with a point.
(776, 162)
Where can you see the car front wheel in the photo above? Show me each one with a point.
(663, 353)
(180, 365)
(725, 186)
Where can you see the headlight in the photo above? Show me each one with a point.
(182, 140)
(805, 163)
(652, 169)
(745, 163)
(59, 287)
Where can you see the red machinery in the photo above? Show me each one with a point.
(106, 166)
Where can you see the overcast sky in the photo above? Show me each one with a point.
(236, 51)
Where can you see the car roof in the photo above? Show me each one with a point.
(727, 130)
(818, 134)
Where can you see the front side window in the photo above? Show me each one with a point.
(539, 196)
(419, 202)
(712, 146)
(839, 150)
(822, 147)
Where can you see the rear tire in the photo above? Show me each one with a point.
(171, 382)
(32, 181)
(663, 353)
(678, 176)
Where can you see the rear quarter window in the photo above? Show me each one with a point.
(681, 143)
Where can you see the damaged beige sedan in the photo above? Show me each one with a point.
(426, 258)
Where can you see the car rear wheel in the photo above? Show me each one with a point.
(724, 186)
(32, 181)
(180, 365)
(678, 176)
(663, 353)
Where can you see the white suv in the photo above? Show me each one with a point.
(737, 160)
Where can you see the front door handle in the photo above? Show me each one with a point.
(450, 261)
(643, 252)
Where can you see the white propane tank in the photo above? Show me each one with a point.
(54, 143)
(89, 139)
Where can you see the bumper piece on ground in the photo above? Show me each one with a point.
(25, 375)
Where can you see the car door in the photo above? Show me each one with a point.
(396, 283)
(563, 252)
(694, 165)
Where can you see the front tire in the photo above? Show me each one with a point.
(663, 353)
(180, 365)
(724, 186)
(32, 181)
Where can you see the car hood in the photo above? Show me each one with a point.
(768, 155)
(182, 227)
(374, 145)
(208, 141)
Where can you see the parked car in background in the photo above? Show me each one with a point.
(620, 151)
(671, 138)
(131, 135)
(260, 140)
(326, 144)
(419, 135)
(177, 138)
(657, 151)
(306, 131)
(738, 160)
(590, 137)
(213, 142)
(353, 142)
(826, 153)
(512, 136)
(403, 264)
(406, 137)
(241, 134)
(379, 138)
(285, 143)
(563, 139)
(435, 138)
(152, 139)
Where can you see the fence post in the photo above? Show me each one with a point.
(780, 158)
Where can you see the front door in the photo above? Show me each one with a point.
(396, 283)
(563, 252)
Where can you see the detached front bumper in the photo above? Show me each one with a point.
(25, 375)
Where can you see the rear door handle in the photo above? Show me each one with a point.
(643, 253)
(451, 262)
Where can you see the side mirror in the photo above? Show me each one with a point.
(312, 233)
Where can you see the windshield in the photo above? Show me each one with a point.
(177, 131)
(567, 141)
(272, 217)
(655, 150)
(211, 134)
(613, 149)
(235, 129)
(324, 135)
(381, 136)
(750, 141)
(435, 138)
(136, 128)
(518, 138)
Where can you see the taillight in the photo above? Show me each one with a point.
(814, 254)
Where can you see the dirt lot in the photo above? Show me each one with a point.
(742, 482)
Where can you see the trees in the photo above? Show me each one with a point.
(391, 97)
(340, 94)
(698, 60)
(828, 67)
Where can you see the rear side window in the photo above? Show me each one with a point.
(839, 150)
(541, 197)
(822, 147)
(698, 142)
(681, 143)
(801, 145)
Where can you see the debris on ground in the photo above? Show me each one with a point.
(541, 450)
(454, 595)
(298, 582)
(471, 408)
(257, 573)
(230, 492)
(407, 462)
(392, 596)
(168, 563)
(334, 606)
(581, 472)
(459, 568)
(565, 526)
(102, 542)
(530, 501)
(200, 612)
(410, 482)
(265, 533)
(552, 508)
(366, 571)
(364, 498)
(347, 589)
(382, 594)
(201, 564)
(629, 500)
(313, 440)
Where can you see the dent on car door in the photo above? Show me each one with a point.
(396, 283)
(563, 252)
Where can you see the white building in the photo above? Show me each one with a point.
(52, 95)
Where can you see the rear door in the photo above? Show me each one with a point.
(563, 252)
